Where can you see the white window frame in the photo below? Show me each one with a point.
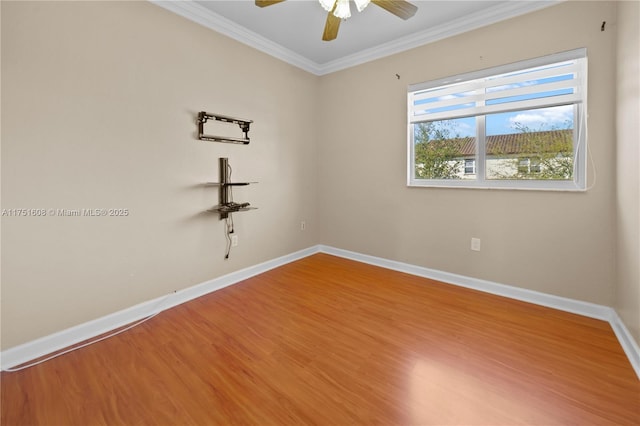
(578, 98)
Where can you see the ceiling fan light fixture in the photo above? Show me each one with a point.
(339, 10)
(343, 10)
(327, 4)
(361, 4)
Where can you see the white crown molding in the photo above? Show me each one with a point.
(203, 16)
(46, 345)
(470, 22)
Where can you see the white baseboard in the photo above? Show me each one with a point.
(587, 309)
(626, 340)
(65, 338)
(564, 304)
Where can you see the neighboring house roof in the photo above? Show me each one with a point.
(530, 143)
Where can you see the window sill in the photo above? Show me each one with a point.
(506, 185)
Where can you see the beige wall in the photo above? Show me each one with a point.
(558, 243)
(628, 160)
(98, 107)
(98, 111)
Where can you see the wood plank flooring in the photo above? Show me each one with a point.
(328, 341)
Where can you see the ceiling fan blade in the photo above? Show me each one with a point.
(401, 8)
(331, 27)
(264, 3)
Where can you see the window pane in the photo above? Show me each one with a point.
(469, 167)
(442, 147)
(533, 144)
(429, 104)
(552, 82)
(527, 120)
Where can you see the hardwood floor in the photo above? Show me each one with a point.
(329, 341)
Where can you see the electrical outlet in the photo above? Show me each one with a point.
(303, 225)
(475, 244)
(234, 241)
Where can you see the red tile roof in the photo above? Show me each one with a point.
(518, 143)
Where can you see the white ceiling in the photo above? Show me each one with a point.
(292, 30)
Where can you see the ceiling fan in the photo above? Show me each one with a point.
(337, 10)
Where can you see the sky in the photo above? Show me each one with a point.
(535, 83)
(506, 122)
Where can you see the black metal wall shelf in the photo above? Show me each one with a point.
(203, 117)
(230, 208)
(226, 204)
(229, 183)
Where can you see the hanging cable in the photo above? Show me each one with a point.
(228, 230)
(160, 309)
(593, 166)
(582, 144)
(229, 172)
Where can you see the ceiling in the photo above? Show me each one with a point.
(292, 30)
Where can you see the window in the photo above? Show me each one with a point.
(519, 126)
(469, 167)
(528, 165)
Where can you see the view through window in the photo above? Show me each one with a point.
(515, 126)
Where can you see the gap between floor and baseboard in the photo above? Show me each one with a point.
(55, 342)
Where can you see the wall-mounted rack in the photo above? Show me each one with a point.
(203, 117)
(226, 205)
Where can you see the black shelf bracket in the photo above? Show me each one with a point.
(203, 117)
(226, 204)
